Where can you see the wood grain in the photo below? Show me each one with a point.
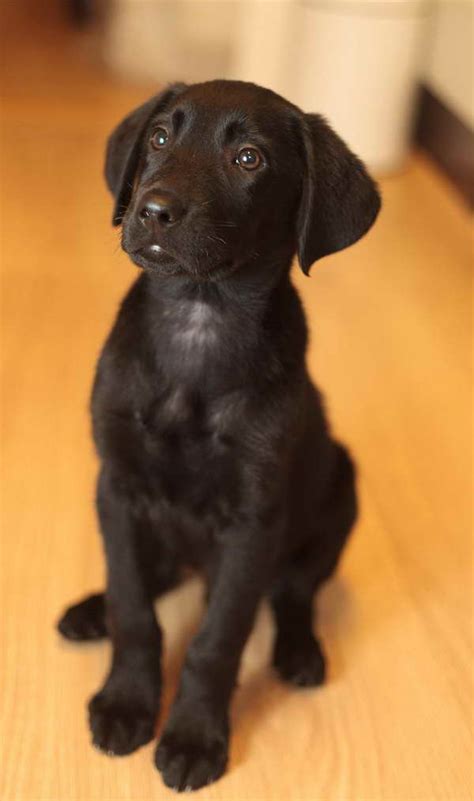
(390, 321)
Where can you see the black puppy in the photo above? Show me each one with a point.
(214, 448)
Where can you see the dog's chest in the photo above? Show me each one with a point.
(193, 332)
(190, 447)
(189, 409)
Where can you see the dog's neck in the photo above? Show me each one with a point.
(248, 287)
(214, 327)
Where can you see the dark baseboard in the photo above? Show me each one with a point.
(448, 140)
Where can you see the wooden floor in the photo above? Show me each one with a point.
(391, 350)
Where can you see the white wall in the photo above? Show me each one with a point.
(449, 65)
(357, 61)
(170, 40)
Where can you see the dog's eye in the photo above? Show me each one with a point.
(248, 158)
(159, 138)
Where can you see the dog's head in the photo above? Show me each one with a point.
(213, 176)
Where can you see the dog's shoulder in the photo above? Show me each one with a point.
(122, 369)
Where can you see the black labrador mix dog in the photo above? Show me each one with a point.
(214, 447)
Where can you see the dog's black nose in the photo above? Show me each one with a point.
(160, 208)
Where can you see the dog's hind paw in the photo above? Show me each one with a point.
(300, 663)
(85, 620)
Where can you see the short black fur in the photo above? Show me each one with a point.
(215, 454)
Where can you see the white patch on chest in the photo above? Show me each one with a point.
(196, 325)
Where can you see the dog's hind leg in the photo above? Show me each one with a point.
(297, 655)
(86, 620)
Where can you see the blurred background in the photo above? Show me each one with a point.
(391, 348)
(385, 72)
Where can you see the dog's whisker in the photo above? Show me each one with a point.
(215, 238)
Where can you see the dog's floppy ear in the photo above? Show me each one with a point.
(340, 201)
(124, 146)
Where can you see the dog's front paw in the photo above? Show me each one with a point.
(121, 723)
(300, 663)
(191, 756)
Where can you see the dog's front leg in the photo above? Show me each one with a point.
(123, 713)
(194, 746)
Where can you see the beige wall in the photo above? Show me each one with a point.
(166, 40)
(449, 59)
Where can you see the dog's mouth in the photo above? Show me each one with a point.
(153, 253)
(155, 258)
